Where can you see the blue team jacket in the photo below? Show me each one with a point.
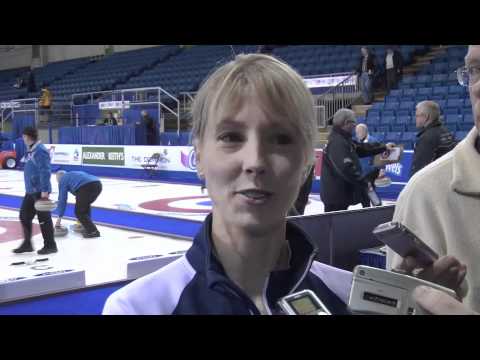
(37, 171)
(71, 181)
(197, 284)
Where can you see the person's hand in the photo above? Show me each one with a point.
(381, 173)
(436, 302)
(390, 146)
(58, 222)
(44, 195)
(446, 271)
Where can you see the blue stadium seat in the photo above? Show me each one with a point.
(396, 92)
(382, 128)
(468, 119)
(440, 68)
(440, 90)
(442, 104)
(450, 111)
(373, 113)
(464, 126)
(455, 89)
(407, 105)
(403, 112)
(388, 120)
(393, 137)
(412, 128)
(455, 103)
(391, 98)
(409, 92)
(398, 128)
(426, 79)
(388, 113)
(361, 119)
(424, 91)
(451, 127)
(373, 120)
(378, 105)
(392, 105)
(408, 80)
(380, 136)
(453, 119)
(460, 135)
(403, 120)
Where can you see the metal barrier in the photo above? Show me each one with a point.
(12, 107)
(134, 97)
(343, 91)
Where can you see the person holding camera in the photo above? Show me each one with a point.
(440, 204)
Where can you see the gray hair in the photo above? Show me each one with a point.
(343, 116)
(430, 109)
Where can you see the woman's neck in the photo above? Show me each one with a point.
(248, 257)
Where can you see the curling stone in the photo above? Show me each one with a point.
(45, 205)
(60, 231)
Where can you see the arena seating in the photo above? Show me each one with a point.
(436, 81)
(184, 72)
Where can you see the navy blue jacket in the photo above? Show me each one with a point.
(198, 284)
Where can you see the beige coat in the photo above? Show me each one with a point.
(441, 205)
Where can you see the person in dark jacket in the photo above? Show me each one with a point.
(86, 188)
(37, 185)
(433, 139)
(31, 87)
(302, 199)
(150, 128)
(366, 71)
(110, 120)
(342, 181)
(393, 67)
(253, 133)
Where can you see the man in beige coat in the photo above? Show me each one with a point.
(441, 205)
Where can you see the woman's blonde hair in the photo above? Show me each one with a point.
(281, 92)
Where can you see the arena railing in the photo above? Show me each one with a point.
(135, 97)
(341, 94)
(8, 109)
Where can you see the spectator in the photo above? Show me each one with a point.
(366, 71)
(18, 82)
(441, 205)
(254, 139)
(433, 139)
(86, 188)
(31, 87)
(37, 186)
(45, 104)
(342, 183)
(369, 172)
(110, 120)
(150, 128)
(302, 199)
(393, 67)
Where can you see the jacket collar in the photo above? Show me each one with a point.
(342, 132)
(34, 146)
(433, 124)
(466, 166)
(203, 260)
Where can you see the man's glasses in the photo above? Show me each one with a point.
(468, 75)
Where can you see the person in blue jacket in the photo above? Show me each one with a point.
(86, 188)
(36, 174)
(253, 133)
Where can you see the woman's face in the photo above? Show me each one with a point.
(253, 166)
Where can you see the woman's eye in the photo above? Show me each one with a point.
(230, 137)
